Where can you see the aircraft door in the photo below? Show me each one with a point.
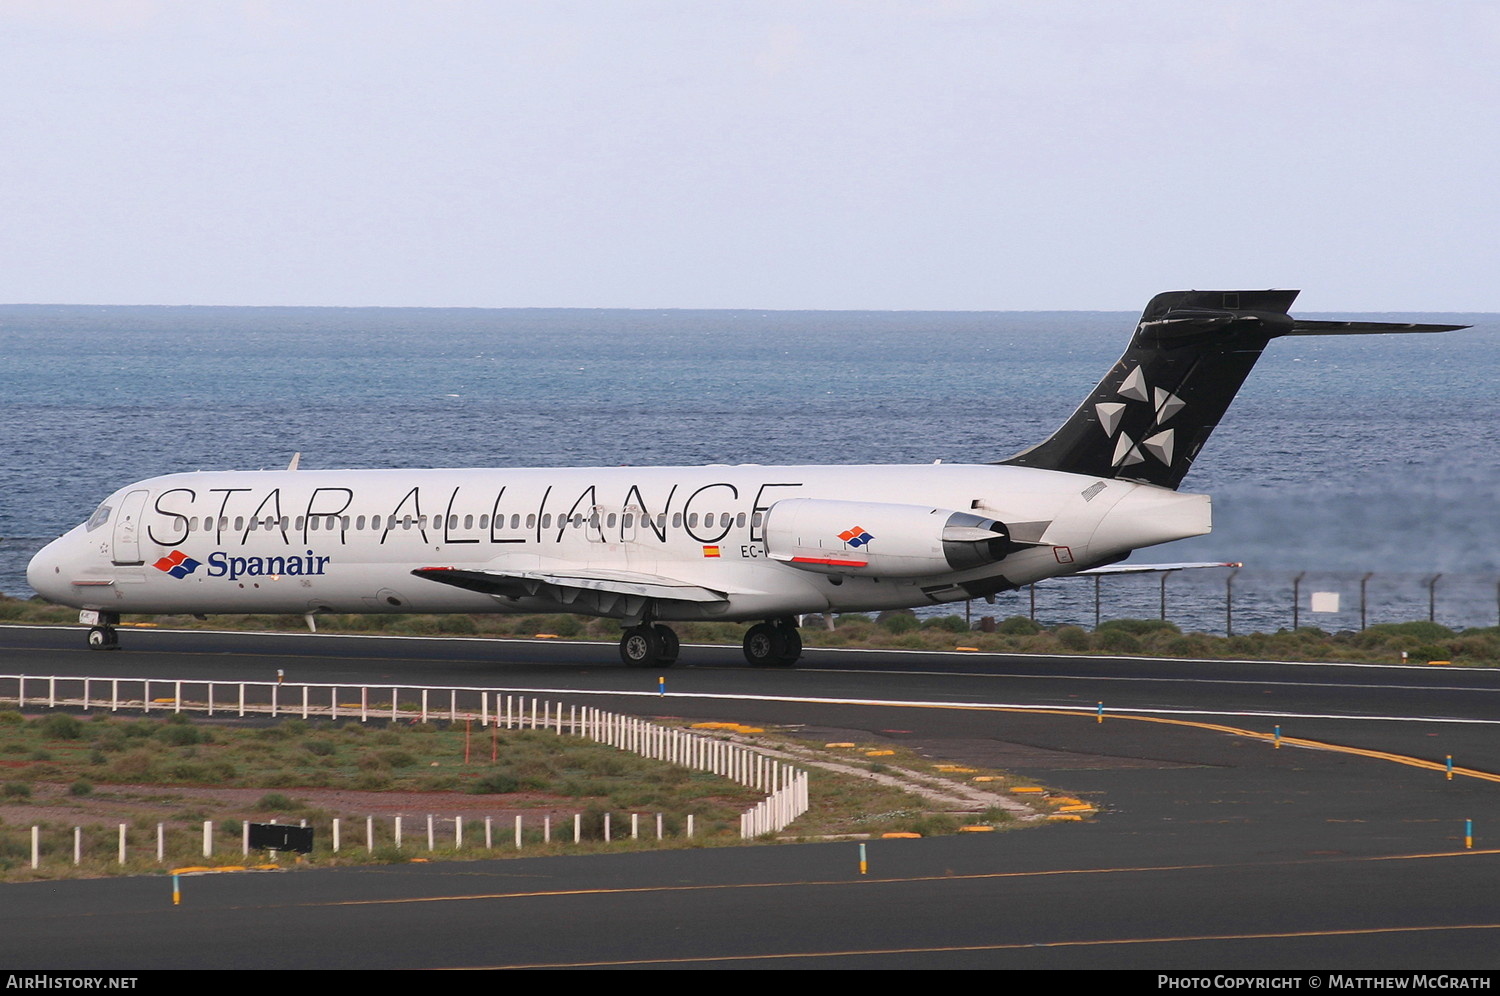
(127, 536)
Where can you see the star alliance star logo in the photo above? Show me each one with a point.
(1164, 403)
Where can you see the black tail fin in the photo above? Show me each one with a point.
(1151, 414)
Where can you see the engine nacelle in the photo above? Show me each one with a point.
(879, 538)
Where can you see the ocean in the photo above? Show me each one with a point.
(1342, 457)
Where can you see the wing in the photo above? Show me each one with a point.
(600, 590)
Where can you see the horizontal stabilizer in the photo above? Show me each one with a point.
(1301, 326)
(1151, 568)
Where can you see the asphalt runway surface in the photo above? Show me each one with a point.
(1211, 850)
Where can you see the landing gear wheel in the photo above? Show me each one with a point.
(772, 645)
(103, 638)
(669, 644)
(645, 646)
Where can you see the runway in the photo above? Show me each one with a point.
(1211, 850)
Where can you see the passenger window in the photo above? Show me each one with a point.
(739, 520)
(359, 523)
(254, 525)
(547, 521)
(629, 521)
(313, 523)
(610, 522)
(693, 521)
(531, 521)
(676, 520)
(757, 519)
(484, 522)
(661, 521)
(299, 523)
(515, 521)
(468, 522)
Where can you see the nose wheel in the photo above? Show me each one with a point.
(649, 646)
(773, 644)
(104, 638)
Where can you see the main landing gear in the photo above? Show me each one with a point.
(773, 644)
(649, 645)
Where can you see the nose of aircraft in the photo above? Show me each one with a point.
(47, 573)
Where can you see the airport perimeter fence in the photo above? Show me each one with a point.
(1230, 601)
(785, 786)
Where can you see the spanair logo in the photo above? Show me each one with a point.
(177, 564)
(856, 537)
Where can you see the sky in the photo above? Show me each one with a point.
(811, 154)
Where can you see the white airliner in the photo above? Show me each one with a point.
(649, 545)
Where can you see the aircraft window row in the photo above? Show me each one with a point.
(331, 523)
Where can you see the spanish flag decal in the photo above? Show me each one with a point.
(710, 551)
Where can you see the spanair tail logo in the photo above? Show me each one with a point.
(856, 537)
(177, 564)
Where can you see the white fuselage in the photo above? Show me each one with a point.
(348, 540)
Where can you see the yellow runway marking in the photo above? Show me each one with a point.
(867, 882)
(1018, 946)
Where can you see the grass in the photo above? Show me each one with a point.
(1384, 643)
(101, 771)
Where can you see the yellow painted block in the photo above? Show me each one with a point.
(879, 753)
(1082, 807)
(163, 701)
(1440, 663)
(977, 828)
(748, 729)
(1065, 800)
(546, 636)
(712, 726)
(900, 836)
(1022, 789)
(985, 778)
(838, 745)
(1065, 816)
(972, 649)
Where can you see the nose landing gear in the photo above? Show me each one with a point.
(773, 644)
(102, 635)
(649, 645)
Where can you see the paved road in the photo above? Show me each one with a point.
(1212, 850)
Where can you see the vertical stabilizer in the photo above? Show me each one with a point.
(1151, 414)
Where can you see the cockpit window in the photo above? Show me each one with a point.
(99, 518)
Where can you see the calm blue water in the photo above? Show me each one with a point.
(1341, 454)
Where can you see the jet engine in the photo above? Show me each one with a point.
(878, 538)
